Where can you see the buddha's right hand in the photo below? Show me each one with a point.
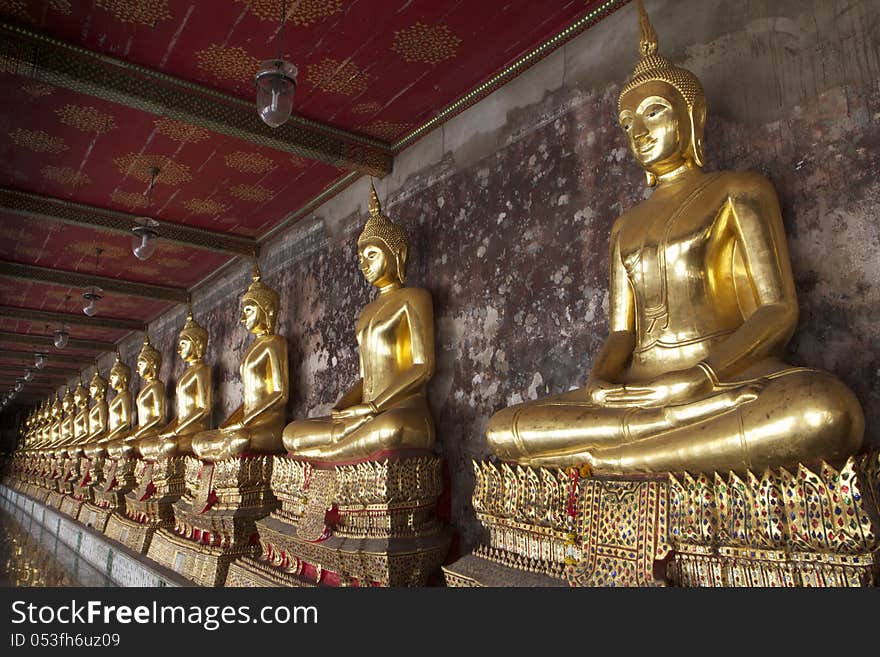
(597, 390)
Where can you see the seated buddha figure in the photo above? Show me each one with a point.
(256, 425)
(193, 398)
(118, 411)
(80, 415)
(151, 403)
(702, 304)
(97, 424)
(386, 408)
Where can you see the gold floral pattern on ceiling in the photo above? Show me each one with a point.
(305, 12)
(37, 89)
(299, 161)
(173, 263)
(86, 118)
(87, 248)
(17, 8)
(249, 162)
(141, 12)
(138, 166)
(144, 270)
(204, 206)
(180, 131)
(385, 129)
(366, 108)
(339, 77)
(61, 6)
(129, 199)
(37, 141)
(228, 63)
(65, 175)
(426, 44)
(251, 193)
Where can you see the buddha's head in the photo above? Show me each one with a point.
(80, 395)
(382, 247)
(259, 306)
(98, 387)
(193, 340)
(662, 110)
(67, 400)
(120, 374)
(57, 409)
(149, 360)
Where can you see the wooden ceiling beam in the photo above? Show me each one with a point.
(76, 279)
(27, 204)
(47, 341)
(48, 317)
(44, 58)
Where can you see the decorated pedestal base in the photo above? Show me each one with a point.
(108, 495)
(367, 524)
(804, 527)
(214, 520)
(148, 507)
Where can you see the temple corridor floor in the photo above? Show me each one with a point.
(31, 555)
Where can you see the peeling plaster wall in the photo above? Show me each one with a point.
(509, 207)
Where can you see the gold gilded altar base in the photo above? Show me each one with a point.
(214, 520)
(148, 507)
(812, 526)
(372, 523)
(108, 494)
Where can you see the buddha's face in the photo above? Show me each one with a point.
(67, 403)
(655, 120)
(118, 381)
(377, 263)
(144, 368)
(97, 391)
(253, 317)
(185, 348)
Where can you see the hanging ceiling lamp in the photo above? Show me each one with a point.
(276, 83)
(62, 335)
(93, 294)
(143, 238)
(40, 360)
(28, 374)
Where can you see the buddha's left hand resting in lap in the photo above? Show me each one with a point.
(256, 425)
(702, 304)
(386, 409)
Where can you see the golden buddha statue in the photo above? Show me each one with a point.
(194, 397)
(256, 425)
(702, 304)
(95, 425)
(81, 414)
(98, 415)
(151, 404)
(118, 411)
(68, 410)
(386, 409)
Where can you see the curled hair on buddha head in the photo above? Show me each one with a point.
(149, 354)
(393, 236)
(654, 67)
(196, 334)
(264, 297)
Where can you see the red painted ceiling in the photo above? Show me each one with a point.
(377, 67)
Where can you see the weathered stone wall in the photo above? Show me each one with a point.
(509, 207)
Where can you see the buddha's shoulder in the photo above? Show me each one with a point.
(742, 183)
(413, 295)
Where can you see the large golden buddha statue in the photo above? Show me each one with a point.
(386, 409)
(256, 425)
(702, 304)
(194, 394)
(97, 427)
(118, 411)
(151, 404)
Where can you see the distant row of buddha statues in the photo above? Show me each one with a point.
(702, 304)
